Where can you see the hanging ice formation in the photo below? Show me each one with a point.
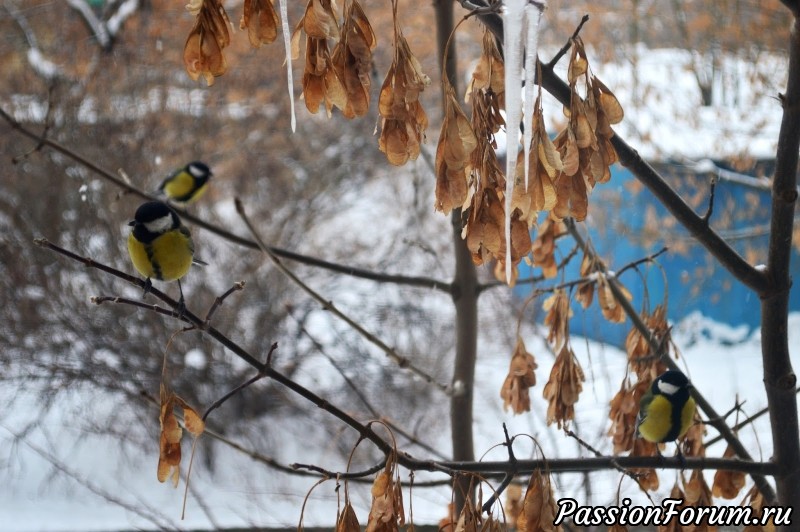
(287, 36)
(520, 20)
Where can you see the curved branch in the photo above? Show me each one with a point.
(405, 280)
(674, 203)
(393, 355)
(714, 419)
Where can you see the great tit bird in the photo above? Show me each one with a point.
(186, 184)
(159, 245)
(667, 409)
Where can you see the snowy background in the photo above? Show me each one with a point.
(66, 473)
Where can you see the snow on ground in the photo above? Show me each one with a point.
(60, 476)
(114, 480)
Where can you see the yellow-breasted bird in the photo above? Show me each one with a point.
(667, 409)
(159, 245)
(186, 184)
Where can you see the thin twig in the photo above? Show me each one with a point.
(508, 478)
(99, 300)
(764, 486)
(712, 188)
(536, 278)
(218, 302)
(362, 273)
(593, 279)
(630, 474)
(402, 362)
(270, 372)
(744, 423)
(340, 475)
(255, 378)
(556, 58)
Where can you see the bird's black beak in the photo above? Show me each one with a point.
(132, 223)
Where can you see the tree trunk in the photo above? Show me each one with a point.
(465, 298)
(779, 378)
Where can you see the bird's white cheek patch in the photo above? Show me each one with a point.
(195, 170)
(159, 225)
(667, 388)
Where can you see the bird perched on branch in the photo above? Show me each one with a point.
(160, 247)
(186, 184)
(667, 409)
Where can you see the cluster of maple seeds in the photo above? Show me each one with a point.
(566, 377)
(337, 77)
(560, 173)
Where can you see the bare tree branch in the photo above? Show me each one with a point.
(405, 280)
(674, 203)
(715, 420)
(393, 355)
(780, 380)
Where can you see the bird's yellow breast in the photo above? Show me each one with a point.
(166, 258)
(658, 420)
(181, 187)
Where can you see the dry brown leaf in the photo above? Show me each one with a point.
(513, 506)
(539, 506)
(648, 478)
(456, 143)
(261, 21)
(557, 319)
(403, 120)
(348, 521)
(319, 21)
(202, 53)
(544, 246)
(585, 144)
(169, 458)
(692, 442)
(698, 494)
(623, 414)
(727, 484)
(520, 378)
(539, 193)
(192, 420)
(446, 523)
(470, 519)
(564, 387)
(352, 60)
(755, 500)
(674, 525)
(640, 359)
(612, 310)
(489, 78)
(585, 292)
(386, 513)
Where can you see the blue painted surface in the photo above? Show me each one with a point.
(626, 223)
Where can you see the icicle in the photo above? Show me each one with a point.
(513, 22)
(287, 43)
(533, 16)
